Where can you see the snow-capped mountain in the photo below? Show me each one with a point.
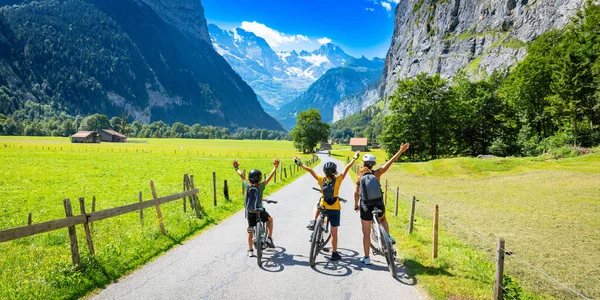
(277, 77)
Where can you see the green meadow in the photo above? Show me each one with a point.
(546, 209)
(38, 173)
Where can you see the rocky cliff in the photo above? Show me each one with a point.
(479, 36)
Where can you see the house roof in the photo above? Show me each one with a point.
(112, 132)
(358, 141)
(82, 134)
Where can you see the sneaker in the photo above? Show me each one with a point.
(392, 240)
(270, 243)
(311, 225)
(366, 260)
(335, 256)
(250, 253)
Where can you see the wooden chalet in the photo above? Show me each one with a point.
(85, 137)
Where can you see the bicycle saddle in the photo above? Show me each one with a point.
(377, 210)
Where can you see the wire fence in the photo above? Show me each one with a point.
(427, 211)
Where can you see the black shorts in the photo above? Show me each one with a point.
(264, 216)
(366, 210)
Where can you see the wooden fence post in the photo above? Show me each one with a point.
(185, 186)
(275, 177)
(141, 210)
(72, 234)
(280, 172)
(436, 212)
(215, 187)
(397, 196)
(86, 227)
(225, 190)
(29, 220)
(412, 215)
(285, 172)
(93, 210)
(197, 207)
(498, 279)
(158, 212)
(386, 192)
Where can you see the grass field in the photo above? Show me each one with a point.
(38, 173)
(547, 210)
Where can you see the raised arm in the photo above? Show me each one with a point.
(236, 166)
(349, 166)
(298, 162)
(275, 166)
(389, 163)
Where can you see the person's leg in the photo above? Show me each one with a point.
(366, 229)
(270, 226)
(316, 212)
(334, 238)
(250, 240)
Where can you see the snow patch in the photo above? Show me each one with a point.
(294, 71)
(283, 55)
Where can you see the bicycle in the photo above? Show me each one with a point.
(260, 232)
(381, 243)
(318, 241)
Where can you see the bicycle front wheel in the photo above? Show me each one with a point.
(388, 251)
(258, 242)
(315, 241)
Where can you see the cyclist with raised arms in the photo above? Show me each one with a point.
(255, 182)
(330, 186)
(368, 191)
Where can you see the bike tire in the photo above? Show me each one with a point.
(388, 251)
(258, 243)
(315, 241)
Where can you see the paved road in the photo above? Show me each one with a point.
(214, 265)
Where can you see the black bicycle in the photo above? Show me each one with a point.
(260, 232)
(381, 243)
(320, 235)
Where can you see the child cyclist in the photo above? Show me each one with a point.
(330, 186)
(368, 191)
(255, 181)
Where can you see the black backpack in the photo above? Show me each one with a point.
(370, 189)
(253, 199)
(328, 189)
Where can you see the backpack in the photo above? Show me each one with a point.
(253, 199)
(370, 189)
(328, 188)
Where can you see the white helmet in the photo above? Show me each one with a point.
(369, 158)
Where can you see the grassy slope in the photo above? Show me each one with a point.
(37, 180)
(546, 210)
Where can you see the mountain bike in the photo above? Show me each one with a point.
(320, 235)
(260, 232)
(381, 243)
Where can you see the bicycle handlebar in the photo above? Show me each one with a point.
(340, 198)
(270, 201)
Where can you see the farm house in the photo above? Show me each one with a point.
(85, 137)
(326, 146)
(359, 144)
(107, 135)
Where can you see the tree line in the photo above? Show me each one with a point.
(35, 119)
(549, 100)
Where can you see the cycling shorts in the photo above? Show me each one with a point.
(366, 210)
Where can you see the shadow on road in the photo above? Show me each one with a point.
(278, 259)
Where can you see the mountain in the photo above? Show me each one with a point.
(479, 36)
(277, 77)
(151, 58)
(335, 85)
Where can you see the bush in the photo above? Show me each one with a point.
(498, 148)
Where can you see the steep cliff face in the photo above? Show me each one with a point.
(186, 15)
(357, 102)
(479, 36)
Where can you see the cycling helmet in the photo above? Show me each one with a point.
(254, 176)
(330, 168)
(369, 158)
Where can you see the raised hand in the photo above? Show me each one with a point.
(276, 163)
(356, 155)
(404, 147)
(236, 164)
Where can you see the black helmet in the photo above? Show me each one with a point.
(330, 168)
(254, 176)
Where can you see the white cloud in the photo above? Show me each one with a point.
(324, 40)
(393, 1)
(272, 36)
(315, 59)
(387, 6)
(369, 9)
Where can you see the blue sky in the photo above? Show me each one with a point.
(360, 27)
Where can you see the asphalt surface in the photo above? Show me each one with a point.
(215, 265)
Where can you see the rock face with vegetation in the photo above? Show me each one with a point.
(151, 59)
(444, 36)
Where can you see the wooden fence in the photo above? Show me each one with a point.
(86, 219)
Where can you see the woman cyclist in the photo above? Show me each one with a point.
(366, 207)
(330, 186)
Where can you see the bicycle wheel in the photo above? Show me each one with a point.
(388, 251)
(315, 241)
(258, 242)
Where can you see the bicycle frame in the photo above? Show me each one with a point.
(384, 245)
